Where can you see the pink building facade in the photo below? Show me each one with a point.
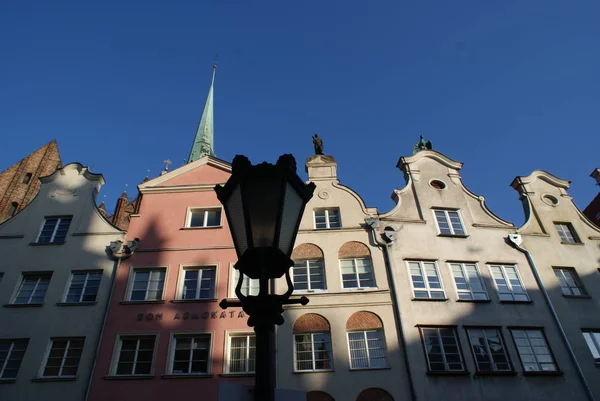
(165, 335)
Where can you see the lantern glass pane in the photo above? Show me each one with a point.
(292, 213)
(235, 212)
(263, 195)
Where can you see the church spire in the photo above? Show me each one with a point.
(204, 140)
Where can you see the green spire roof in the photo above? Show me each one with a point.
(204, 140)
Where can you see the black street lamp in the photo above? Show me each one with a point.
(264, 205)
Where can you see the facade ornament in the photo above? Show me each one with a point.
(422, 145)
(318, 144)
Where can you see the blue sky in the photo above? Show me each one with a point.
(505, 87)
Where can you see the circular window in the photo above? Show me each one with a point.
(437, 184)
(550, 200)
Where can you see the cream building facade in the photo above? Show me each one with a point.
(54, 288)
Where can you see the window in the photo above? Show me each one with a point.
(426, 281)
(442, 349)
(309, 275)
(357, 273)
(249, 286)
(26, 178)
(449, 222)
(508, 283)
(313, 351)
(11, 356)
(592, 338)
(147, 285)
(135, 355)
(533, 350)
(367, 349)
(467, 279)
(54, 230)
(327, 218)
(242, 353)
(33, 288)
(63, 357)
(198, 283)
(84, 286)
(12, 209)
(201, 218)
(489, 350)
(570, 284)
(190, 354)
(566, 233)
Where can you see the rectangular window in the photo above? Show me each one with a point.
(84, 286)
(442, 349)
(198, 283)
(63, 357)
(54, 229)
(489, 350)
(468, 281)
(190, 354)
(533, 350)
(309, 275)
(327, 218)
(201, 218)
(242, 353)
(449, 222)
(508, 283)
(33, 288)
(570, 285)
(147, 285)
(367, 349)
(313, 351)
(592, 339)
(249, 286)
(426, 281)
(357, 273)
(11, 356)
(135, 355)
(566, 233)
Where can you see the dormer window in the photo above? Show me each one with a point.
(327, 218)
(204, 218)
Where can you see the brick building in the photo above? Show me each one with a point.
(20, 183)
(592, 211)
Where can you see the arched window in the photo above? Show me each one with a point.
(356, 265)
(12, 209)
(318, 396)
(312, 343)
(366, 341)
(27, 178)
(308, 272)
(374, 394)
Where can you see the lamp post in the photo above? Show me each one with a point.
(264, 204)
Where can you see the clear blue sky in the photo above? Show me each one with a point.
(505, 87)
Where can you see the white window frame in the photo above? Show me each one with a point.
(247, 334)
(358, 287)
(508, 284)
(25, 275)
(173, 345)
(117, 354)
(488, 351)
(367, 349)
(575, 277)
(181, 281)
(64, 356)
(10, 351)
(427, 288)
(443, 353)
(306, 263)
(205, 209)
(468, 281)
(534, 354)
(592, 339)
(70, 282)
(313, 359)
(327, 222)
(55, 229)
(233, 282)
(448, 221)
(566, 228)
(131, 280)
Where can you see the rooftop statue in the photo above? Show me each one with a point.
(318, 143)
(421, 145)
